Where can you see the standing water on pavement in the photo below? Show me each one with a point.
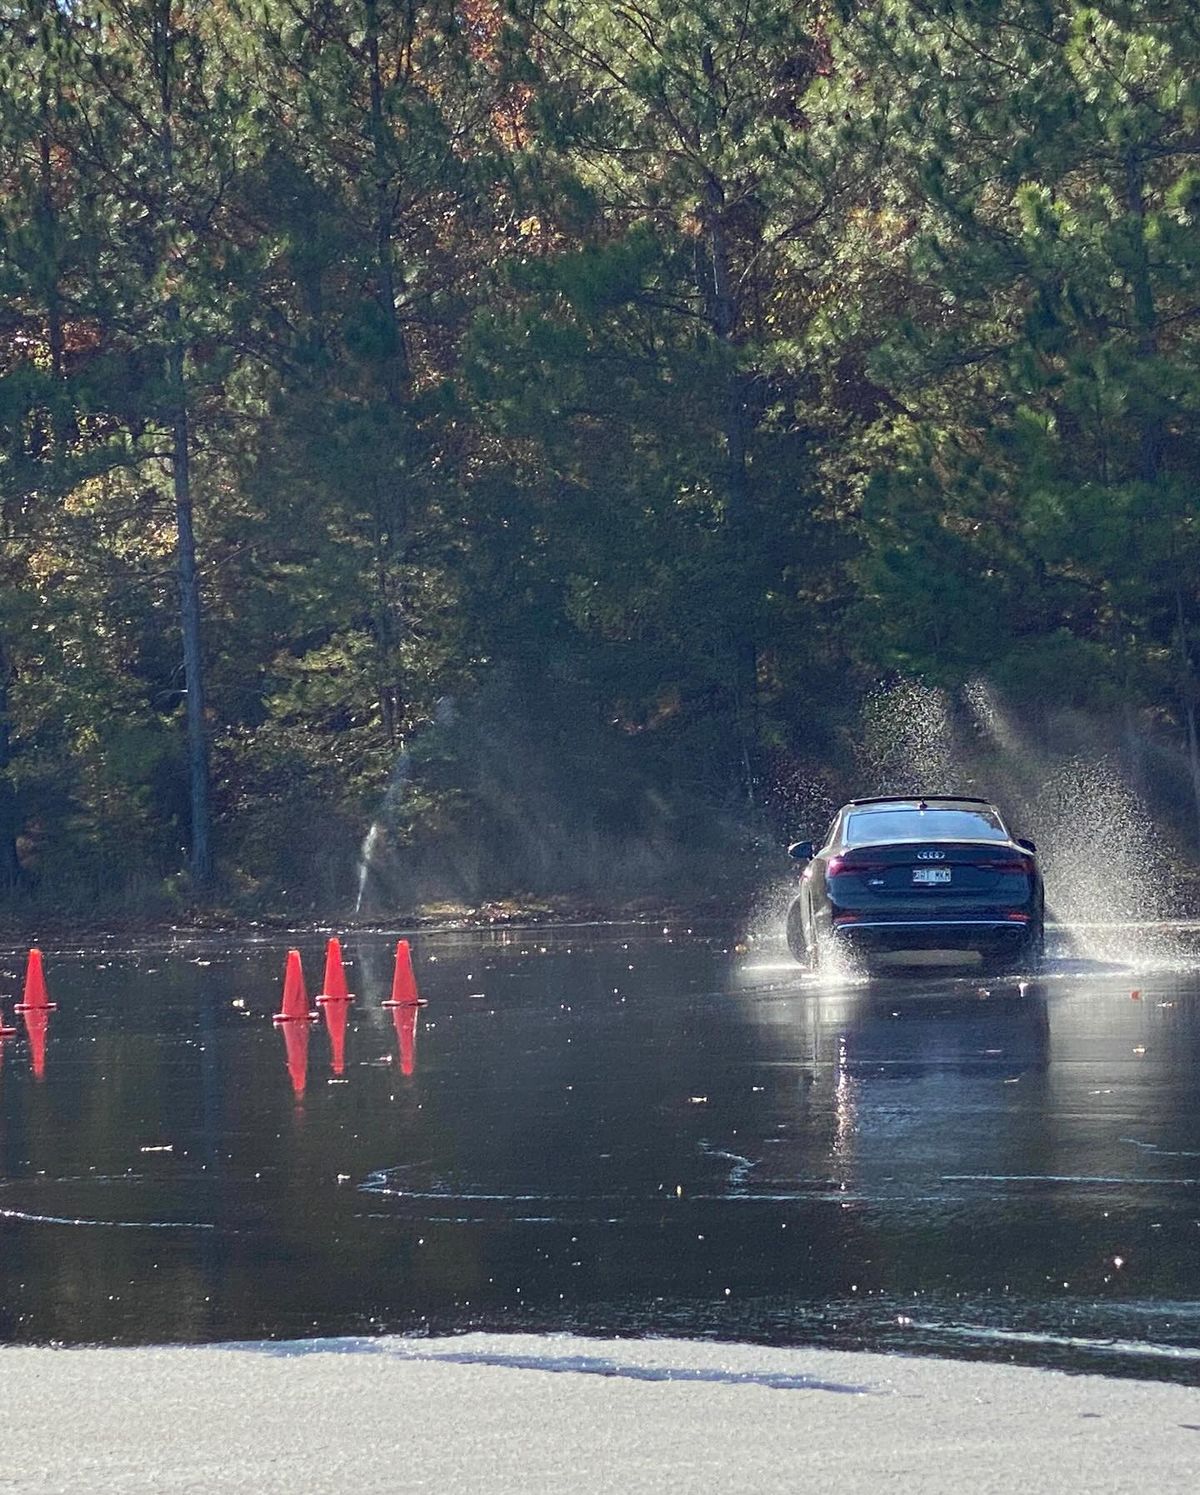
(609, 1129)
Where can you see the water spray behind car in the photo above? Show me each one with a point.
(1107, 865)
(1109, 872)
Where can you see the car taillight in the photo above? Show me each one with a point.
(838, 865)
(1023, 865)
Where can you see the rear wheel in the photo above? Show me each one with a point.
(1025, 958)
(797, 940)
(1033, 950)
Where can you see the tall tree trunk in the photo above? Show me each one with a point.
(395, 373)
(385, 642)
(62, 417)
(1187, 692)
(10, 866)
(1145, 320)
(396, 366)
(62, 423)
(744, 646)
(189, 614)
(189, 585)
(1145, 314)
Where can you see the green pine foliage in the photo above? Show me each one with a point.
(573, 408)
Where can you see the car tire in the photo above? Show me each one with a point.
(1033, 951)
(797, 941)
(1025, 959)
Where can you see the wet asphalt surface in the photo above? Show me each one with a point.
(613, 1130)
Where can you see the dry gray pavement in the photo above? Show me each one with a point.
(513, 1413)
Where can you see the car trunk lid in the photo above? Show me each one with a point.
(930, 874)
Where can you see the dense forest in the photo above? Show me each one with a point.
(535, 428)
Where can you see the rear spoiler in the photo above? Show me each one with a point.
(921, 799)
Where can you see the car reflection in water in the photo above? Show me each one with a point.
(901, 1084)
(973, 1030)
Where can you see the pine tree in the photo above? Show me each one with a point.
(1048, 376)
(45, 238)
(169, 121)
(369, 210)
(685, 160)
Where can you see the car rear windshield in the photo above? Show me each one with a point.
(924, 825)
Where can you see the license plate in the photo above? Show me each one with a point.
(931, 874)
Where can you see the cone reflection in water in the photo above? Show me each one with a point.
(295, 1042)
(334, 988)
(404, 983)
(404, 1020)
(36, 997)
(294, 1007)
(336, 1012)
(37, 1025)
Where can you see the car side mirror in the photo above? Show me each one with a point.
(1026, 843)
(801, 851)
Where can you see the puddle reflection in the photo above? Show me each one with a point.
(336, 1012)
(404, 1020)
(37, 1026)
(295, 1043)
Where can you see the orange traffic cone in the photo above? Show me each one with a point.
(36, 997)
(294, 1007)
(334, 988)
(404, 983)
(295, 1043)
(335, 1021)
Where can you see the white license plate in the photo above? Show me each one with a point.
(931, 874)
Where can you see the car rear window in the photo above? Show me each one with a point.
(924, 825)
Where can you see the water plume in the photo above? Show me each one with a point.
(1108, 872)
(1107, 865)
(1103, 862)
(907, 740)
(391, 802)
(367, 851)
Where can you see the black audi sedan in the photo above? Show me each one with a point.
(899, 880)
